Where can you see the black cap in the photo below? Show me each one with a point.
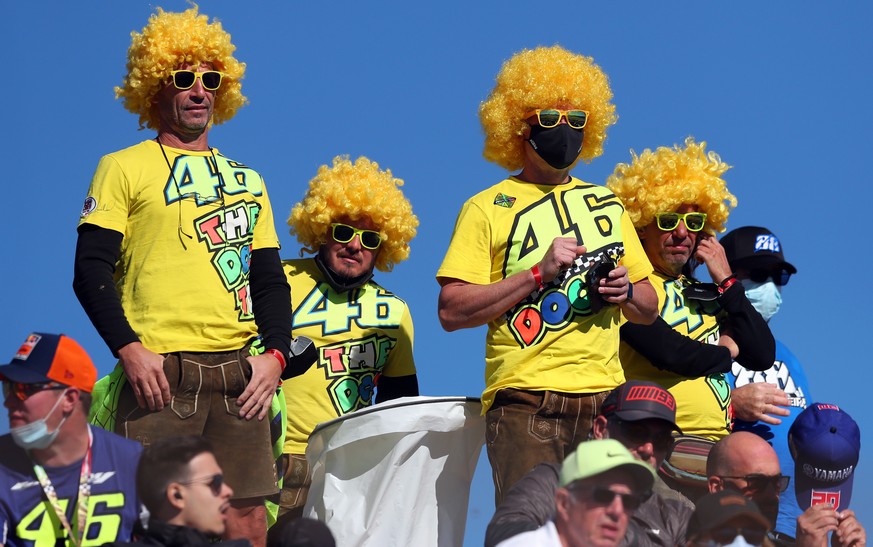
(638, 400)
(754, 247)
(717, 509)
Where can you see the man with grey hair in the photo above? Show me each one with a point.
(601, 484)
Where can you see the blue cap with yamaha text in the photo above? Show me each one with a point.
(825, 443)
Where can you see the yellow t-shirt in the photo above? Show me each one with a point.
(701, 403)
(188, 235)
(550, 340)
(360, 334)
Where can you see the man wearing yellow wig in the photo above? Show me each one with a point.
(678, 201)
(354, 218)
(199, 275)
(550, 263)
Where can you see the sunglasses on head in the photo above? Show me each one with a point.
(758, 482)
(605, 496)
(726, 536)
(184, 79)
(780, 277)
(343, 233)
(638, 434)
(550, 117)
(694, 222)
(214, 482)
(23, 391)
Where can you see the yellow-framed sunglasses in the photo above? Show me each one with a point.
(694, 221)
(185, 79)
(550, 117)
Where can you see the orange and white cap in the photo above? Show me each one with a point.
(51, 358)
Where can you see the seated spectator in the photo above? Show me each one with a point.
(51, 458)
(745, 463)
(825, 445)
(726, 518)
(640, 415)
(183, 488)
(767, 402)
(601, 486)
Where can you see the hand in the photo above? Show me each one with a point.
(849, 532)
(814, 524)
(614, 288)
(145, 372)
(258, 395)
(727, 341)
(710, 252)
(758, 401)
(560, 255)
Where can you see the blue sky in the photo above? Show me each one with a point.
(778, 89)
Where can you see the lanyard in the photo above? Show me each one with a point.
(82, 501)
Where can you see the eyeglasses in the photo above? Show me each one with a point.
(605, 496)
(184, 79)
(23, 391)
(215, 482)
(758, 482)
(694, 222)
(550, 117)
(343, 233)
(780, 277)
(726, 536)
(637, 434)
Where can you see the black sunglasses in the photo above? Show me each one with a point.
(343, 233)
(757, 482)
(23, 391)
(780, 277)
(638, 434)
(214, 482)
(605, 496)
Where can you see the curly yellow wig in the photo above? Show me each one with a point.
(541, 78)
(167, 41)
(663, 180)
(356, 190)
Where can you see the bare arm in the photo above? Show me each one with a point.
(464, 305)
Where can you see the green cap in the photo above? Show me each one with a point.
(592, 458)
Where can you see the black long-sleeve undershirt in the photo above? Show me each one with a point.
(672, 351)
(97, 252)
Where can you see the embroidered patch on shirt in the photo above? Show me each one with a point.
(504, 201)
(88, 207)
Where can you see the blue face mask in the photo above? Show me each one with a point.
(765, 297)
(36, 435)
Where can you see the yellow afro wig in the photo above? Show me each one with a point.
(356, 190)
(663, 180)
(542, 78)
(167, 41)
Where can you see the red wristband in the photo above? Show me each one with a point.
(538, 277)
(727, 283)
(278, 355)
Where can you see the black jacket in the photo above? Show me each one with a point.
(168, 535)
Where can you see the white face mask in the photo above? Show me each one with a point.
(36, 434)
(765, 297)
(739, 541)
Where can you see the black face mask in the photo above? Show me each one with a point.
(559, 146)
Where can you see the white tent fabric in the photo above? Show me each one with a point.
(397, 473)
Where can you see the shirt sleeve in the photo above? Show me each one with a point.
(468, 257)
